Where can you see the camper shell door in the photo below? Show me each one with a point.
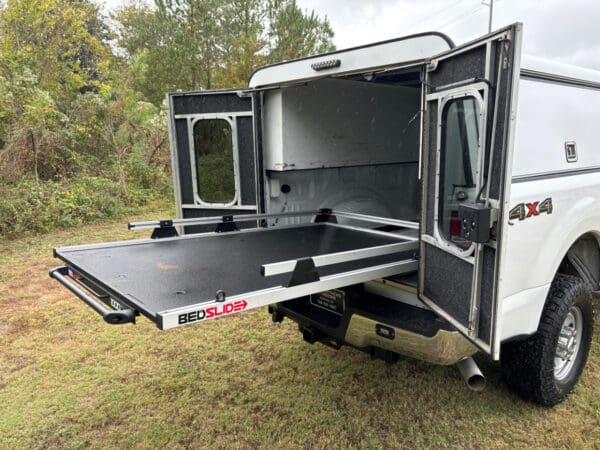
(212, 153)
(465, 167)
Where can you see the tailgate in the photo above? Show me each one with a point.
(185, 279)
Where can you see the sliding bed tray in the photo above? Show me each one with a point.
(181, 280)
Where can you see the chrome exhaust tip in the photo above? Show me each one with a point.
(471, 374)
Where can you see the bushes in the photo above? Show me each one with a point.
(26, 206)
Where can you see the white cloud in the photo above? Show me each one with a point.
(554, 29)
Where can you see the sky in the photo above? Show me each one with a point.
(561, 30)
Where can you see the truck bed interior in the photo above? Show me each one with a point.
(347, 143)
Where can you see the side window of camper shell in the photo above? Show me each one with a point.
(214, 155)
(459, 164)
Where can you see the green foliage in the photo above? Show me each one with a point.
(205, 44)
(63, 42)
(27, 206)
(214, 161)
(83, 131)
(294, 33)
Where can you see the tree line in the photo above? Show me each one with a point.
(82, 117)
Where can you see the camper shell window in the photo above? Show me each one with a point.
(214, 155)
(458, 164)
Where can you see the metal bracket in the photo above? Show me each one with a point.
(325, 215)
(165, 229)
(304, 272)
(227, 225)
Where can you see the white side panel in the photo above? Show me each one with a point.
(521, 312)
(272, 129)
(355, 59)
(536, 245)
(337, 123)
(550, 114)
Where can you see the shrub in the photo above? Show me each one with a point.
(26, 206)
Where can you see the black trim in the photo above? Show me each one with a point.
(555, 174)
(445, 37)
(559, 79)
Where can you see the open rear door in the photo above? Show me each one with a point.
(212, 153)
(466, 166)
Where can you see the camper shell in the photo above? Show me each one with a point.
(405, 197)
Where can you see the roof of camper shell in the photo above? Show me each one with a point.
(379, 54)
(404, 50)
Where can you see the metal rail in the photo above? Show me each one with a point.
(278, 268)
(376, 219)
(216, 219)
(253, 217)
(111, 316)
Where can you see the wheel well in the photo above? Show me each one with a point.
(583, 260)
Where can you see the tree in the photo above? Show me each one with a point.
(51, 51)
(63, 43)
(294, 33)
(205, 44)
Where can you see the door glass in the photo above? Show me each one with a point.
(213, 146)
(459, 164)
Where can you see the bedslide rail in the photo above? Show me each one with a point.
(321, 215)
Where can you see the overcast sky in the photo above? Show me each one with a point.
(555, 29)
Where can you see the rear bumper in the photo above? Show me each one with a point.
(380, 326)
(444, 348)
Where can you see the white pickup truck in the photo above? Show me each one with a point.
(405, 197)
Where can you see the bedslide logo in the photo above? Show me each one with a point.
(212, 312)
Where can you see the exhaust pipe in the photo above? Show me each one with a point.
(471, 374)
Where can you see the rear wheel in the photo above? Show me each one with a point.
(546, 366)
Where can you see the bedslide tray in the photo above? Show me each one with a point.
(173, 281)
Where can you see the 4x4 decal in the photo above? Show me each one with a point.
(524, 211)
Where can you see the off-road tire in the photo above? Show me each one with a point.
(528, 365)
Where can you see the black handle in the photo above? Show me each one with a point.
(111, 316)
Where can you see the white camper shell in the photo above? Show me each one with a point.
(404, 197)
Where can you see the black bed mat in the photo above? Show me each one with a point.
(152, 276)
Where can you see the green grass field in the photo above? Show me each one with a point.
(69, 380)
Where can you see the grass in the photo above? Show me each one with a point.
(69, 380)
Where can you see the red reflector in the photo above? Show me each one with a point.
(454, 224)
(75, 276)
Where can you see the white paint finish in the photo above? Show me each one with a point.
(534, 63)
(536, 246)
(384, 191)
(272, 130)
(521, 312)
(548, 115)
(367, 58)
(335, 123)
